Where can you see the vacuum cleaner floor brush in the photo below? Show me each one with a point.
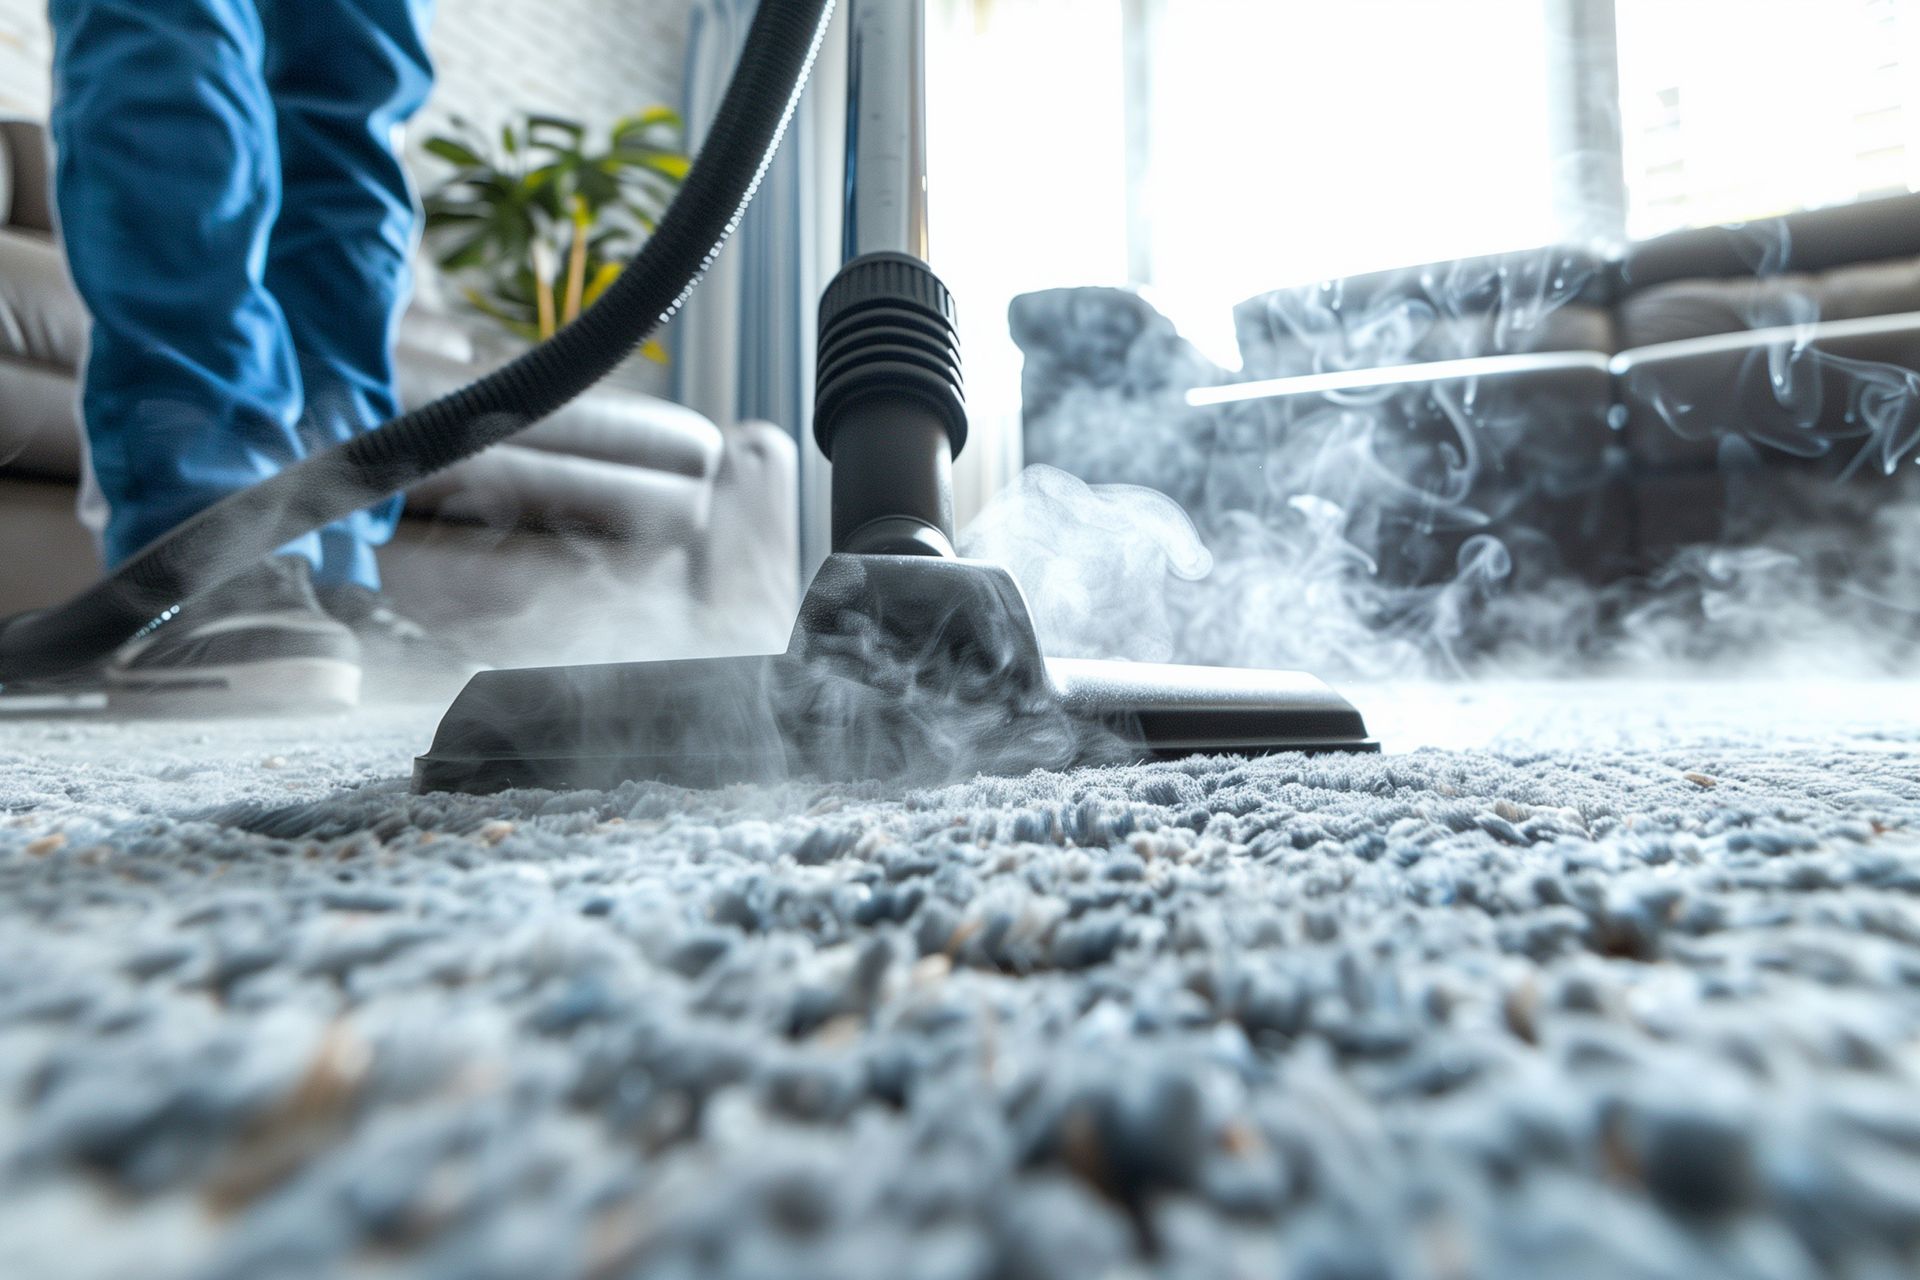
(908, 667)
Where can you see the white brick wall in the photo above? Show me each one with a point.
(25, 47)
(592, 60)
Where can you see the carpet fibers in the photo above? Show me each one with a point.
(1611, 986)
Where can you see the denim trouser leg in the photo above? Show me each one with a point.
(170, 186)
(344, 75)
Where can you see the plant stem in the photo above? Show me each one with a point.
(577, 259)
(542, 289)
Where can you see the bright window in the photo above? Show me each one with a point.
(1297, 141)
(1738, 109)
(1026, 186)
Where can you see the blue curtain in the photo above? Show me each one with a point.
(743, 348)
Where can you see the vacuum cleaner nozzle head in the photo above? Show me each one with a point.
(916, 668)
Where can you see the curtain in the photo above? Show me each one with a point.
(743, 347)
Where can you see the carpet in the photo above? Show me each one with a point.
(1611, 980)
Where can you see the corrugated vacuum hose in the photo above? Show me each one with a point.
(241, 530)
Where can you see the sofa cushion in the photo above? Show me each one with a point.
(39, 421)
(1541, 300)
(41, 318)
(1572, 326)
(6, 180)
(1816, 240)
(30, 199)
(1695, 308)
(1420, 470)
(51, 557)
(1828, 396)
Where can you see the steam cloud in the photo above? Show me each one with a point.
(1340, 535)
(1083, 555)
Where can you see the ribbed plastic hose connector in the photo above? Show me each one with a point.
(889, 411)
(887, 330)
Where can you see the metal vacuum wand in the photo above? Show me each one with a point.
(886, 191)
(889, 410)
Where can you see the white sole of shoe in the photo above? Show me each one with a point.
(280, 686)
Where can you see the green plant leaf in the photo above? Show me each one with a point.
(560, 139)
(549, 199)
(492, 220)
(439, 216)
(668, 164)
(470, 252)
(606, 241)
(654, 117)
(599, 279)
(485, 306)
(597, 188)
(572, 128)
(453, 151)
(491, 184)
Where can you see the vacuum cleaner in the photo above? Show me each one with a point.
(906, 661)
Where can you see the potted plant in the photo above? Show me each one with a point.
(534, 231)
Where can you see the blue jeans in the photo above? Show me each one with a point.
(240, 226)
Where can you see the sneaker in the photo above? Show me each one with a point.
(259, 643)
(83, 690)
(404, 661)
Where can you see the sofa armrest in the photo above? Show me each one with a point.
(28, 157)
(748, 570)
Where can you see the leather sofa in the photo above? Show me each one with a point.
(1617, 408)
(623, 526)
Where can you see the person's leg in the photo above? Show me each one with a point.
(344, 75)
(167, 184)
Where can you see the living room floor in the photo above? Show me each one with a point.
(1581, 978)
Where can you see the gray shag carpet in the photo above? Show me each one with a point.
(1598, 983)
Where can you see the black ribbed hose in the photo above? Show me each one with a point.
(241, 530)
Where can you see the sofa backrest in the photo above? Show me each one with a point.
(1812, 241)
(1850, 262)
(26, 176)
(1548, 299)
(1701, 307)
